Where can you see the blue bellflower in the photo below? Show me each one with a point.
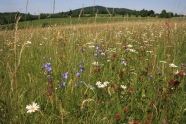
(78, 74)
(63, 84)
(65, 75)
(47, 66)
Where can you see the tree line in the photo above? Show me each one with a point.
(8, 18)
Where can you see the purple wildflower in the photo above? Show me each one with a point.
(48, 76)
(49, 69)
(81, 68)
(123, 63)
(83, 49)
(100, 51)
(78, 74)
(182, 64)
(97, 47)
(151, 76)
(65, 75)
(76, 84)
(96, 54)
(47, 66)
(63, 84)
(80, 82)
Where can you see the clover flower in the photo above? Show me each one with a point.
(118, 117)
(32, 107)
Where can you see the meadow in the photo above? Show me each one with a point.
(123, 72)
(86, 21)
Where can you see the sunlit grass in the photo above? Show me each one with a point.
(129, 59)
(88, 20)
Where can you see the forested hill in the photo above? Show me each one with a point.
(102, 10)
(9, 17)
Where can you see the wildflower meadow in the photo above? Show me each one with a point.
(110, 73)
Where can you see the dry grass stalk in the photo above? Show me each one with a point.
(20, 54)
(80, 13)
(87, 100)
(61, 112)
(17, 18)
(108, 12)
(38, 14)
(96, 15)
(26, 5)
(11, 76)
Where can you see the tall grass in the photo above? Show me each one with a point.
(131, 60)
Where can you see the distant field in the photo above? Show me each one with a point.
(87, 20)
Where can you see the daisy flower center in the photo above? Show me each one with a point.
(32, 108)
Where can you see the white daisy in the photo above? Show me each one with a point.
(123, 87)
(105, 83)
(98, 83)
(32, 107)
(95, 63)
(172, 65)
(28, 42)
(129, 46)
(103, 54)
(177, 72)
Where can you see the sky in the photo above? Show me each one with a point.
(46, 6)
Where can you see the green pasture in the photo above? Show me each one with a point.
(88, 20)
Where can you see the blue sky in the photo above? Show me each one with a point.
(46, 6)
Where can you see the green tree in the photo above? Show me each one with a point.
(144, 13)
(170, 14)
(164, 14)
(70, 13)
(123, 13)
(151, 13)
(5, 21)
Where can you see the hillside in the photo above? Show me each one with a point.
(102, 10)
(91, 11)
